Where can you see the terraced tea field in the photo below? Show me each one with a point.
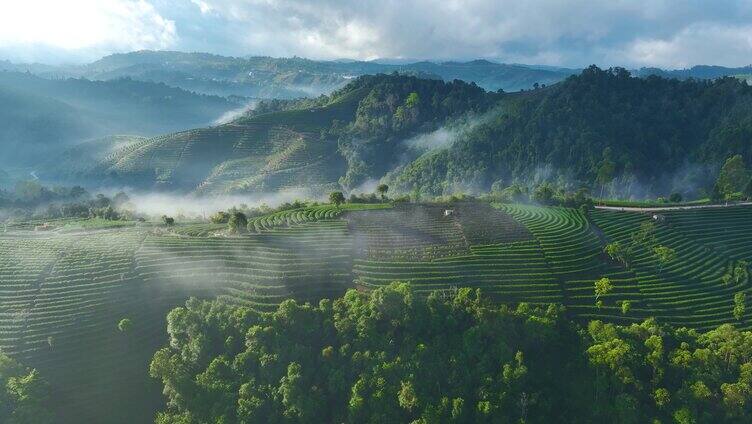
(63, 291)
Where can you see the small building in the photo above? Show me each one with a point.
(448, 212)
(659, 218)
(44, 227)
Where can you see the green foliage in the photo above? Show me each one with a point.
(382, 189)
(168, 220)
(603, 128)
(739, 305)
(619, 253)
(390, 356)
(664, 255)
(237, 223)
(336, 198)
(741, 271)
(24, 394)
(221, 217)
(125, 325)
(603, 287)
(733, 176)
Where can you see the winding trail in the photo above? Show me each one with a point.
(670, 208)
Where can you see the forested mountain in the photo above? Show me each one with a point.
(41, 116)
(651, 134)
(602, 129)
(350, 136)
(267, 77)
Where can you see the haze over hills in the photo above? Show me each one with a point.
(267, 77)
(41, 116)
(657, 135)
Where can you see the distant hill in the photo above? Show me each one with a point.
(41, 116)
(266, 77)
(697, 72)
(434, 137)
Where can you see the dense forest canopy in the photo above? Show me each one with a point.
(658, 135)
(393, 356)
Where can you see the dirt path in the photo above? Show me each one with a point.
(670, 208)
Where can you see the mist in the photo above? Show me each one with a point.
(234, 114)
(445, 136)
(193, 206)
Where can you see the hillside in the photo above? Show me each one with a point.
(42, 116)
(313, 144)
(656, 135)
(267, 77)
(65, 290)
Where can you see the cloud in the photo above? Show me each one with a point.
(555, 32)
(670, 33)
(81, 28)
(700, 43)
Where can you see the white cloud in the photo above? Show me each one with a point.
(700, 43)
(80, 26)
(553, 32)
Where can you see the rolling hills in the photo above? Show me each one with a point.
(267, 77)
(42, 116)
(430, 137)
(63, 291)
(310, 144)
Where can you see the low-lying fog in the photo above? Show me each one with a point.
(157, 204)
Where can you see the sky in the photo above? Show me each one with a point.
(572, 33)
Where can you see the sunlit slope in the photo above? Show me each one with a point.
(267, 152)
(689, 290)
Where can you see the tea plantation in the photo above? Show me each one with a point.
(63, 291)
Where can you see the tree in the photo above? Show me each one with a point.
(382, 189)
(168, 220)
(412, 100)
(645, 236)
(603, 287)
(337, 198)
(606, 170)
(221, 217)
(675, 198)
(664, 255)
(739, 305)
(619, 253)
(125, 325)
(543, 194)
(733, 176)
(238, 223)
(626, 306)
(747, 192)
(741, 271)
